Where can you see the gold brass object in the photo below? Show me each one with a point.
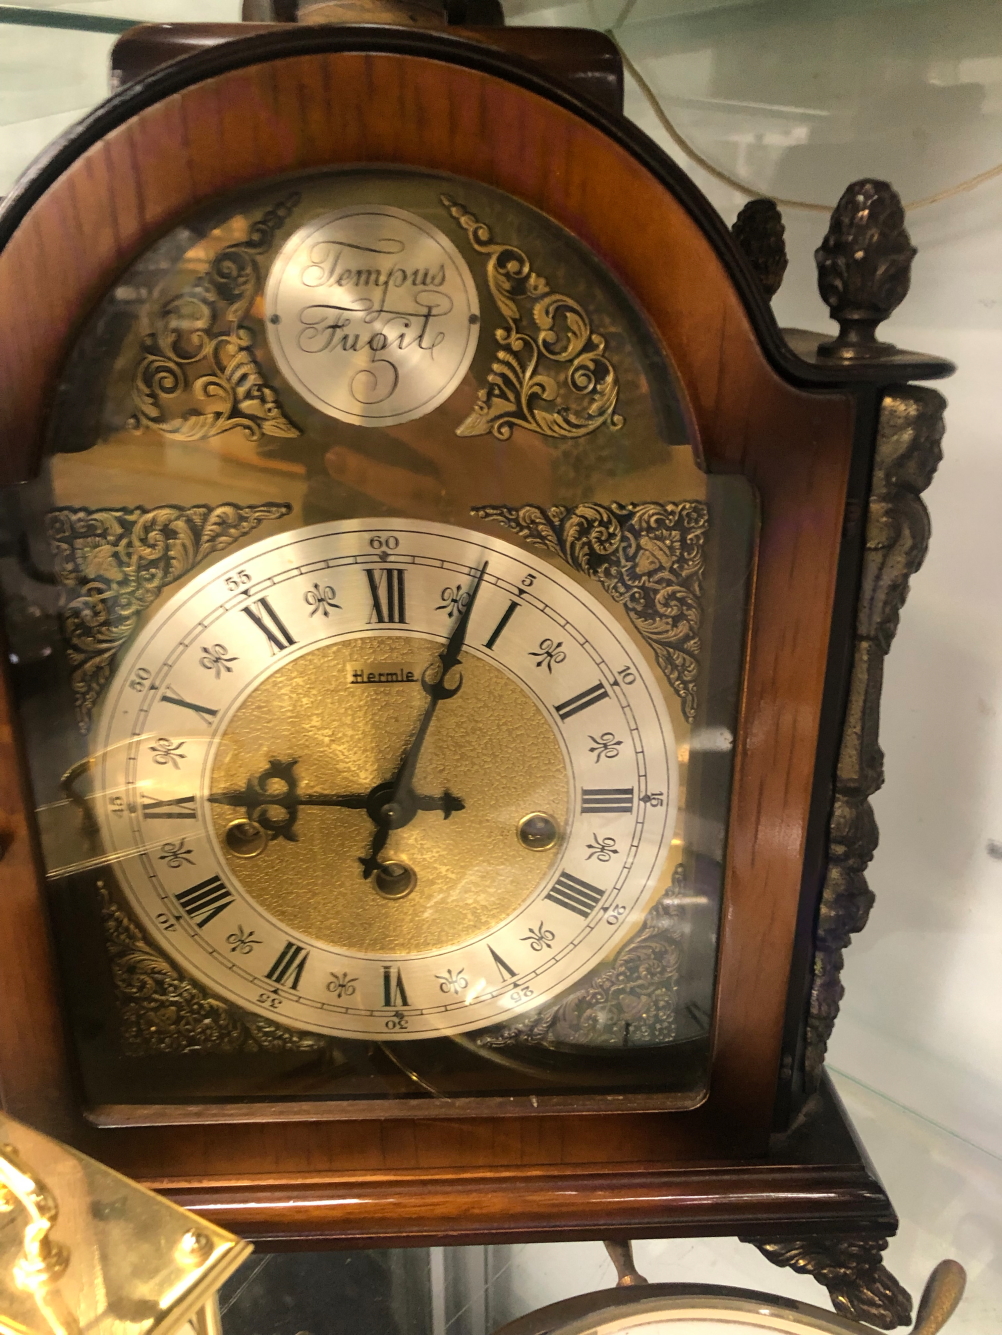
(621, 1256)
(84, 1249)
(43, 1259)
(395, 879)
(294, 712)
(556, 380)
(198, 375)
(656, 573)
(245, 838)
(940, 1298)
(537, 831)
(117, 562)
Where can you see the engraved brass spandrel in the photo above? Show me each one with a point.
(551, 374)
(648, 557)
(496, 752)
(631, 1000)
(160, 1010)
(117, 562)
(198, 375)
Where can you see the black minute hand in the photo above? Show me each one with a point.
(393, 805)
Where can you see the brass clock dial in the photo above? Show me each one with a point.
(386, 778)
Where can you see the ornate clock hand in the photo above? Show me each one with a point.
(256, 799)
(395, 804)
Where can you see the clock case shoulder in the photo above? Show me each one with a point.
(851, 414)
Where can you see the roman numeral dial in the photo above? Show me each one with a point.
(387, 780)
(600, 801)
(592, 695)
(388, 595)
(205, 901)
(271, 625)
(574, 894)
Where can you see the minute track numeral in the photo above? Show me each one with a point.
(205, 901)
(570, 892)
(595, 801)
(287, 971)
(169, 808)
(271, 625)
(389, 596)
(583, 700)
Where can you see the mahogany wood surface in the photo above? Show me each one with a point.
(270, 116)
(815, 1178)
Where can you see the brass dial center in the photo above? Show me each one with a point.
(346, 713)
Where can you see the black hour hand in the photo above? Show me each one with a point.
(447, 804)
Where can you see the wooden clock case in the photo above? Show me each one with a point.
(769, 1154)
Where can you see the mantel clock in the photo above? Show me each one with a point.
(444, 618)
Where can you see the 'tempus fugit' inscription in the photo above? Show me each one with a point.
(372, 314)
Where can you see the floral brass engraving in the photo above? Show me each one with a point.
(648, 557)
(897, 535)
(162, 1011)
(556, 380)
(631, 1001)
(198, 375)
(118, 561)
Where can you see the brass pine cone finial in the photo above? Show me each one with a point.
(864, 267)
(758, 229)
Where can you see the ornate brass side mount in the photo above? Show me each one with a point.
(897, 535)
(647, 556)
(551, 374)
(117, 561)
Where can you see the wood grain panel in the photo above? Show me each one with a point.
(306, 111)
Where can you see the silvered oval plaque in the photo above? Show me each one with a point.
(372, 314)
